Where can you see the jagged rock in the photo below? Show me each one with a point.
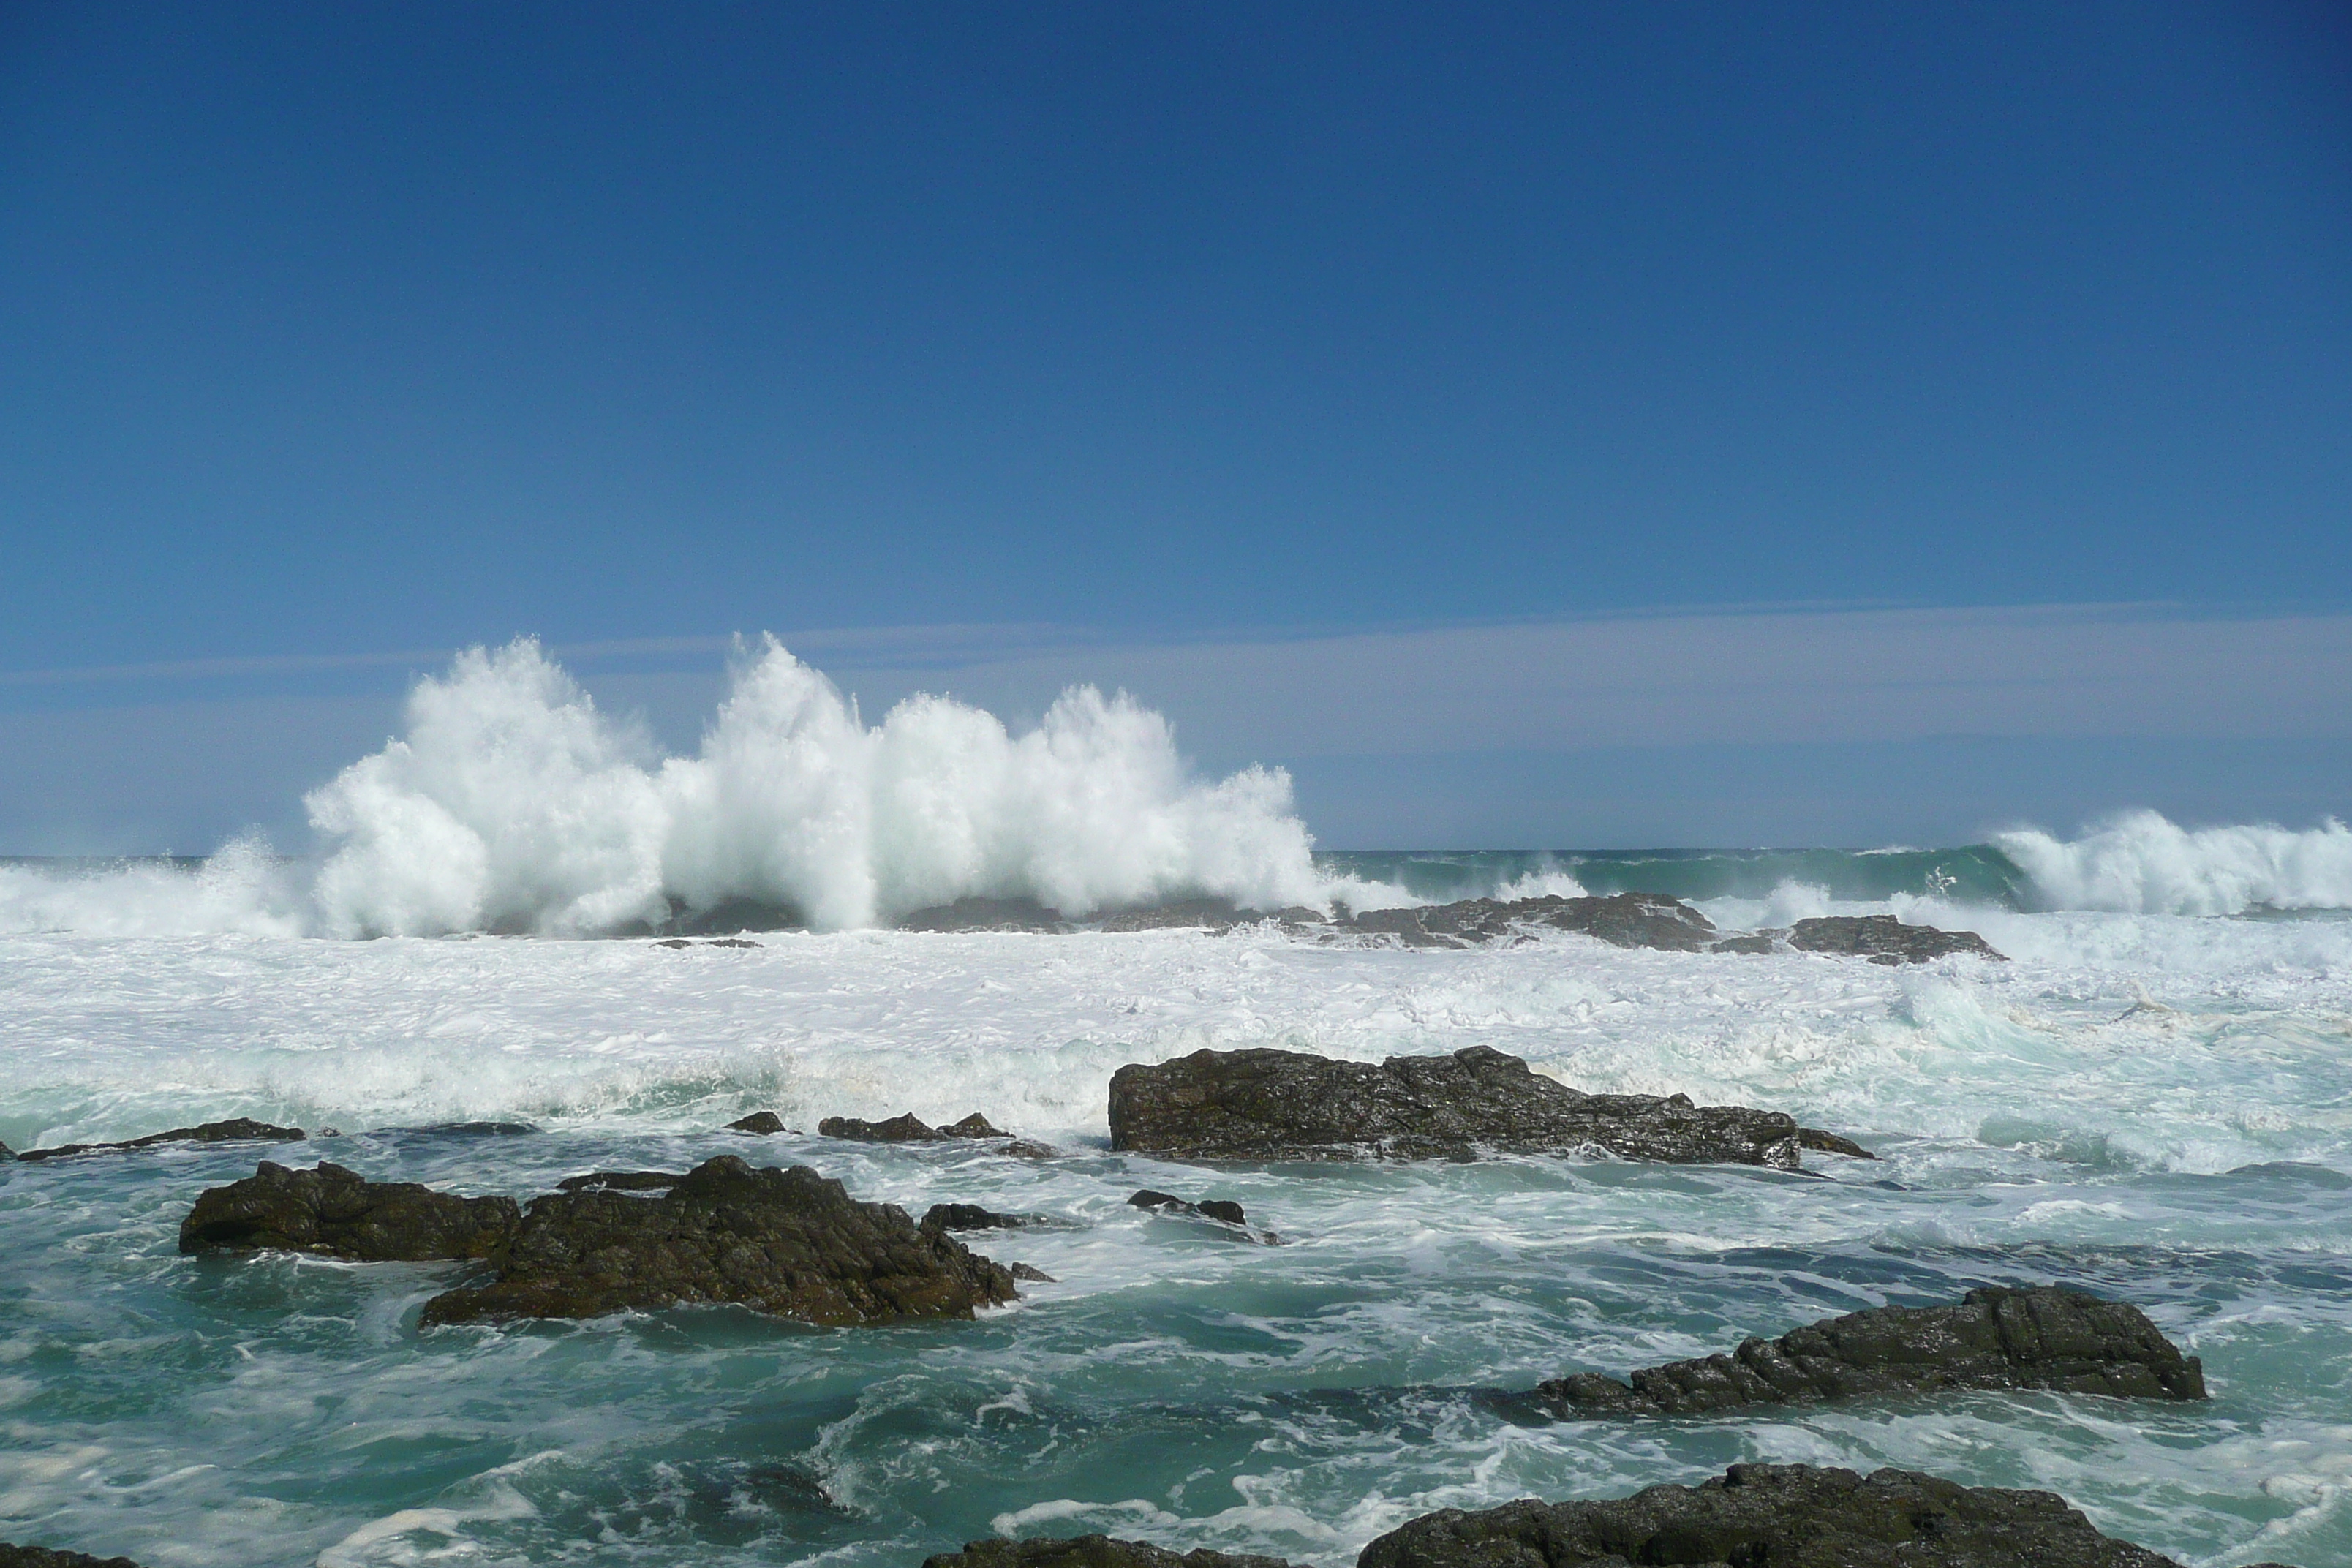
(457, 1130)
(1882, 939)
(1822, 1143)
(1224, 1209)
(239, 1130)
(1266, 1104)
(986, 914)
(764, 1123)
(1758, 943)
(2047, 1337)
(1031, 1275)
(12, 1556)
(787, 1242)
(972, 1126)
(1769, 1515)
(620, 1182)
(335, 1213)
(6, 1154)
(904, 1128)
(970, 1217)
(1089, 1552)
(1622, 919)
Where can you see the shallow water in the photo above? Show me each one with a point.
(2155, 1108)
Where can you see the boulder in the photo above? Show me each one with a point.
(1800, 1516)
(42, 1557)
(2047, 1337)
(239, 1130)
(970, 1216)
(331, 1212)
(1225, 1211)
(766, 1123)
(1882, 939)
(1089, 1552)
(1622, 919)
(1266, 1104)
(786, 1242)
(904, 1128)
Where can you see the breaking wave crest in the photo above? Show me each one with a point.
(2141, 863)
(514, 804)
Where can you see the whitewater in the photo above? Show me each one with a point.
(2151, 1099)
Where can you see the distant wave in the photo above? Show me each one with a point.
(2141, 863)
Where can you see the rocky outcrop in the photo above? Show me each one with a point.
(1769, 1515)
(765, 1123)
(239, 1130)
(1090, 1551)
(1266, 1104)
(331, 1212)
(970, 1216)
(986, 914)
(42, 1557)
(786, 1242)
(1622, 919)
(908, 1128)
(2047, 1337)
(1227, 1214)
(1882, 939)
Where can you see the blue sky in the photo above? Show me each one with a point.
(1130, 340)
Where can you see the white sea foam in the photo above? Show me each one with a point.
(2139, 862)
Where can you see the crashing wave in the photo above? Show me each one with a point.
(2141, 863)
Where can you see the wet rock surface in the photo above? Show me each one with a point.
(1772, 1516)
(908, 1127)
(790, 1242)
(1882, 939)
(1223, 1211)
(331, 1212)
(765, 1123)
(620, 1182)
(970, 1216)
(11, 1556)
(1090, 1551)
(1622, 919)
(1266, 1104)
(239, 1130)
(2047, 1337)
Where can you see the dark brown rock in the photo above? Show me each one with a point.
(6, 1154)
(1882, 939)
(1822, 1143)
(1267, 1104)
(239, 1130)
(904, 1128)
(1622, 919)
(1753, 943)
(970, 1217)
(787, 1242)
(1995, 1338)
(1225, 1211)
(764, 1123)
(42, 1557)
(1772, 1516)
(620, 1182)
(972, 1126)
(1089, 1552)
(1182, 914)
(986, 914)
(334, 1212)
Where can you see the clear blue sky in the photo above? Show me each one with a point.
(357, 330)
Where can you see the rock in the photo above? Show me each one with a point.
(455, 1130)
(1089, 1552)
(6, 1154)
(986, 914)
(674, 941)
(1622, 919)
(1800, 1516)
(1266, 1104)
(620, 1182)
(239, 1130)
(1023, 1271)
(1755, 944)
(1822, 1143)
(764, 1123)
(972, 1126)
(42, 1557)
(970, 1217)
(2047, 1337)
(1223, 1210)
(334, 1212)
(904, 1128)
(787, 1242)
(1196, 914)
(1882, 939)
(731, 942)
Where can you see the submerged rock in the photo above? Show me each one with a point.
(1764, 1516)
(764, 1123)
(237, 1130)
(1622, 919)
(12, 1556)
(2047, 1337)
(331, 1212)
(1225, 1211)
(1882, 939)
(787, 1242)
(1090, 1551)
(1266, 1104)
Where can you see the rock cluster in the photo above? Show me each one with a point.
(1266, 1104)
(786, 1242)
(1995, 1338)
(1622, 919)
(1882, 939)
(1226, 1213)
(1753, 1516)
(334, 1212)
(239, 1130)
(908, 1128)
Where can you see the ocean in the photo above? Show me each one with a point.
(2151, 1101)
